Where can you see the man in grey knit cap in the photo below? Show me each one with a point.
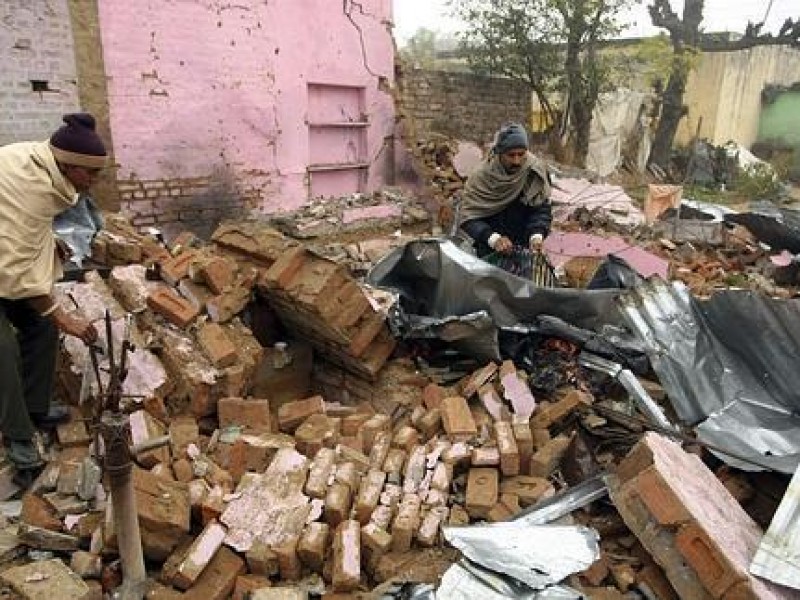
(506, 202)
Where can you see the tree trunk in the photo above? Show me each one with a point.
(672, 111)
(685, 34)
(581, 120)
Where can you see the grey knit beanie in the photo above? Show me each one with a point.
(510, 137)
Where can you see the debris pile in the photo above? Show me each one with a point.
(309, 452)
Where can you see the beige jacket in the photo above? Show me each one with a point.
(32, 192)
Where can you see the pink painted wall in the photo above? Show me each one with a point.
(207, 88)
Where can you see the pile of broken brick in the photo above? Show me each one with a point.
(330, 465)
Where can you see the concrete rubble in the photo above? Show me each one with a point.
(310, 455)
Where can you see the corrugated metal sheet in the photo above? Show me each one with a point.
(778, 556)
(729, 366)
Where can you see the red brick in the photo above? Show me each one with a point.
(251, 413)
(369, 495)
(218, 274)
(37, 512)
(482, 491)
(509, 453)
(316, 432)
(406, 523)
(312, 546)
(143, 429)
(478, 379)
(457, 419)
(183, 430)
(284, 270)
(528, 489)
(707, 560)
(198, 556)
(182, 241)
(365, 331)
(548, 458)
(218, 579)
(292, 414)
(217, 345)
(347, 557)
(223, 307)
(177, 267)
(659, 498)
(247, 584)
(351, 303)
(524, 439)
(516, 391)
(372, 427)
(175, 309)
(433, 395)
(546, 416)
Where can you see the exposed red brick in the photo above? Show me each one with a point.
(175, 309)
(218, 274)
(177, 267)
(251, 413)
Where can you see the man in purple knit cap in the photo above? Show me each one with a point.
(38, 180)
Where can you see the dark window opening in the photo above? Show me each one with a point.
(41, 85)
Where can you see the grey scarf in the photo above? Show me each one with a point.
(490, 189)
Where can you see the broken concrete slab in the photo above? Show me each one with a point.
(41, 580)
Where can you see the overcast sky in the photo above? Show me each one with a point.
(720, 15)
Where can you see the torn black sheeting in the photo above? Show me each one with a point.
(447, 293)
(779, 228)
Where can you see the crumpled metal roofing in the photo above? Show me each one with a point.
(446, 292)
(729, 366)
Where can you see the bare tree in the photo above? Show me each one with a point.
(687, 40)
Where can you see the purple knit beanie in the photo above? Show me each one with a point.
(77, 143)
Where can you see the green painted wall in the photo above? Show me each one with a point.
(780, 122)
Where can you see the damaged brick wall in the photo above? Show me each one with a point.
(462, 105)
(212, 107)
(37, 50)
(196, 204)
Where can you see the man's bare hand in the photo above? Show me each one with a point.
(80, 328)
(504, 245)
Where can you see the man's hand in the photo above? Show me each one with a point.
(503, 245)
(80, 328)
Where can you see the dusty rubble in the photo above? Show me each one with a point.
(336, 466)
